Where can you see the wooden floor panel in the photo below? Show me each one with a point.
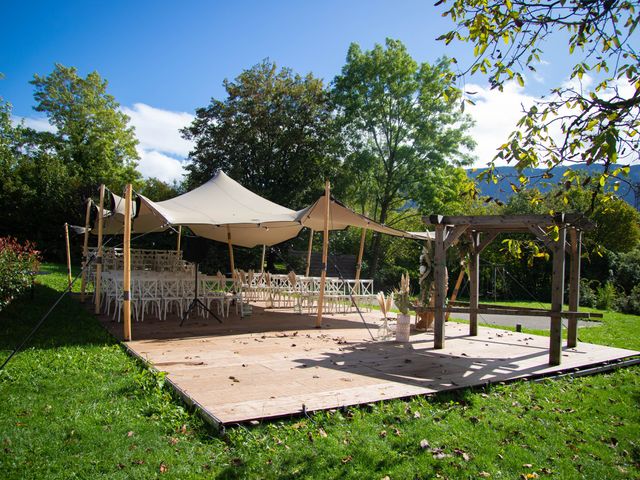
(275, 363)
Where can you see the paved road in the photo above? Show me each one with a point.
(536, 323)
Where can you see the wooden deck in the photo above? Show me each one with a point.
(274, 363)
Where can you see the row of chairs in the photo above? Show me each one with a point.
(163, 294)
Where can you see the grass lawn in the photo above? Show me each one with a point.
(75, 405)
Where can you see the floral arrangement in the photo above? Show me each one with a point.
(402, 295)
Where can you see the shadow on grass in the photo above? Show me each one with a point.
(68, 324)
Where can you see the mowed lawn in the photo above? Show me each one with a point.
(75, 405)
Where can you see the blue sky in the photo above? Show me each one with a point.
(164, 59)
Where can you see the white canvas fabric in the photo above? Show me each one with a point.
(341, 217)
(222, 207)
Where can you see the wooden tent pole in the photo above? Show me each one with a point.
(98, 280)
(179, 238)
(233, 268)
(359, 263)
(85, 251)
(126, 288)
(440, 279)
(309, 252)
(325, 252)
(264, 250)
(67, 243)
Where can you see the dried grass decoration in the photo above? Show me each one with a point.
(384, 332)
(402, 295)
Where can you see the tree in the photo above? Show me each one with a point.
(273, 133)
(575, 124)
(94, 139)
(401, 120)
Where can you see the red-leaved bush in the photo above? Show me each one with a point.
(18, 264)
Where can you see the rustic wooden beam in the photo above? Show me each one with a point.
(325, 252)
(474, 282)
(440, 282)
(575, 237)
(454, 234)
(557, 299)
(488, 238)
(98, 279)
(460, 303)
(523, 312)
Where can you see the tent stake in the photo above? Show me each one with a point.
(325, 251)
(309, 252)
(126, 288)
(98, 280)
(66, 240)
(85, 251)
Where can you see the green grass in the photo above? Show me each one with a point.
(75, 405)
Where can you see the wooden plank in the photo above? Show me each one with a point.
(574, 285)
(85, 252)
(440, 283)
(508, 221)
(486, 241)
(325, 252)
(98, 279)
(523, 312)
(126, 284)
(557, 299)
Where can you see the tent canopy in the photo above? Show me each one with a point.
(222, 209)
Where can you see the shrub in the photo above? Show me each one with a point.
(17, 264)
(606, 296)
(630, 303)
(588, 297)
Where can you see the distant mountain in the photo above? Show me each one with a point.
(502, 190)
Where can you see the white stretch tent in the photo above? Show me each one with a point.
(214, 210)
(222, 207)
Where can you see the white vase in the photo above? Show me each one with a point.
(403, 327)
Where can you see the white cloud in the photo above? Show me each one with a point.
(156, 164)
(496, 114)
(162, 149)
(159, 130)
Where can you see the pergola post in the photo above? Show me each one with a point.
(98, 280)
(325, 252)
(440, 282)
(126, 284)
(231, 263)
(557, 298)
(474, 283)
(85, 251)
(309, 252)
(68, 249)
(575, 237)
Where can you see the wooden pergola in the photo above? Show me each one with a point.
(561, 233)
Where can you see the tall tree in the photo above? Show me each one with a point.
(273, 134)
(576, 123)
(94, 139)
(401, 119)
